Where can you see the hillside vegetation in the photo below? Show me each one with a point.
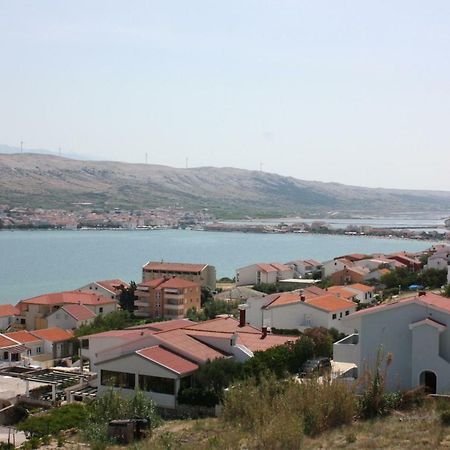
(47, 181)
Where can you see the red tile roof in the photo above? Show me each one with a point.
(168, 359)
(280, 267)
(23, 337)
(112, 285)
(127, 334)
(174, 267)
(54, 334)
(8, 310)
(342, 292)
(330, 303)
(61, 298)
(79, 312)
(6, 342)
(169, 283)
(223, 325)
(164, 326)
(362, 287)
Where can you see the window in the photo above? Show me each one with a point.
(38, 350)
(340, 315)
(334, 316)
(347, 313)
(85, 343)
(117, 379)
(157, 384)
(100, 310)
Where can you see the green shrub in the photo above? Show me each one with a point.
(198, 397)
(445, 417)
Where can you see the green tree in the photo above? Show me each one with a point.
(127, 296)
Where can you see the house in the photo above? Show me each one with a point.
(106, 288)
(58, 343)
(8, 315)
(263, 273)
(354, 257)
(439, 260)
(34, 311)
(364, 293)
(342, 292)
(161, 359)
(414, 332)
(238, 293)
(11, 351)
(299, 310)
(71, 316)
(34, 344)
(410, 261)
(335, 265)
(350, 275)
(203, 274)
(168, 298)
(304, 267)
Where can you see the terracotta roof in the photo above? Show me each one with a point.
(127, 334)
(61, 298)
(164, 326)
(280, 267)
(342, 292)
(174, 267)
(6, 342)
(314, 290)
(254, 342)
(223, 325)
(23, 337)
(79, 312)
(361, 287)
(429, 299)
(54, 334)
(112, 285)
(267, 267)
(284, 298)
(168, 359)
(8, 310)
(330, 303)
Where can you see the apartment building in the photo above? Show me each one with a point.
(260, 273)
(203, 274)
(168, 298)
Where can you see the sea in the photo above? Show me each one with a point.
(37, 262)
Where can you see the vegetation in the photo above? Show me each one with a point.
(271, 288)
(126, 297)
(430, 278)
(447, 290)
(116, 320)
(213, 308)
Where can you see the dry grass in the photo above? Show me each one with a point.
(417, 429)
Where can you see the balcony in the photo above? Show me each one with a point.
(141, 303)
(174, 307)
(347, 349)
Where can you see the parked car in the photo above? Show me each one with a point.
(319, 366)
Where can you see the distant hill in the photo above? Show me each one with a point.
(48, 181)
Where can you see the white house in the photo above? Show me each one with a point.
(107, 288)
(335, 265)
(414, 332)
(440, 260)
(364, 293)
(304, 267)
(160, 358)
(71, 316)
(294, 310)
(34, 345)
(263, 273)
(8, 315)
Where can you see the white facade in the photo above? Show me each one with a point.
(302, 268)
(438, 261)
(62, 319)
(262, 273)
(415, 334)
(96, 288)
(333, 266)
(361, 296)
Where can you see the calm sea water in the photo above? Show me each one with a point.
(36, 262)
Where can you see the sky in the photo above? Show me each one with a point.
(350, 91)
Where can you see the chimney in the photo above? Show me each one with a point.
(422, 293)
(302, 295)
(242, 317)
(233, 339)
(264, 332)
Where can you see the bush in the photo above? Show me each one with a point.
(198, 397)
(445, 417)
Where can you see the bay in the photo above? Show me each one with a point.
(37, 262)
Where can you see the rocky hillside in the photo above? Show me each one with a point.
(49, 181)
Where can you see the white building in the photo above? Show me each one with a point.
(294, 310)
(159, 358)
(335, 265)
(107, 288)
(263, 273)
(70, 317)
(415, 332)
(364, 293)
(8, 315)
(440, 260)
(304, 267)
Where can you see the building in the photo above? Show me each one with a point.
(299, 310)
(106, 288)
(304, 267)
(335, 265)
(238, 293)
(263, 273)
(203, 274)
(167, 298)
(71, 316)
(439, 260)
(11, 351)
(34, 311)
(414, 331)
(364, 293)
(8, 315)
(349, 275)
(160, 358)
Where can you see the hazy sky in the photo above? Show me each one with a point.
(350, 91)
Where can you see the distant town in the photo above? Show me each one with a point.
(83, 217)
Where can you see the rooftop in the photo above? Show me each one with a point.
(79, 312)
(174, 267)
(23, 337)
(61, 298)
(168, 359)
(54, 334)
(8, 310)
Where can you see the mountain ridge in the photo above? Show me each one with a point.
(49, 181)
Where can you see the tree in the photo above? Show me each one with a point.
(126, 297)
